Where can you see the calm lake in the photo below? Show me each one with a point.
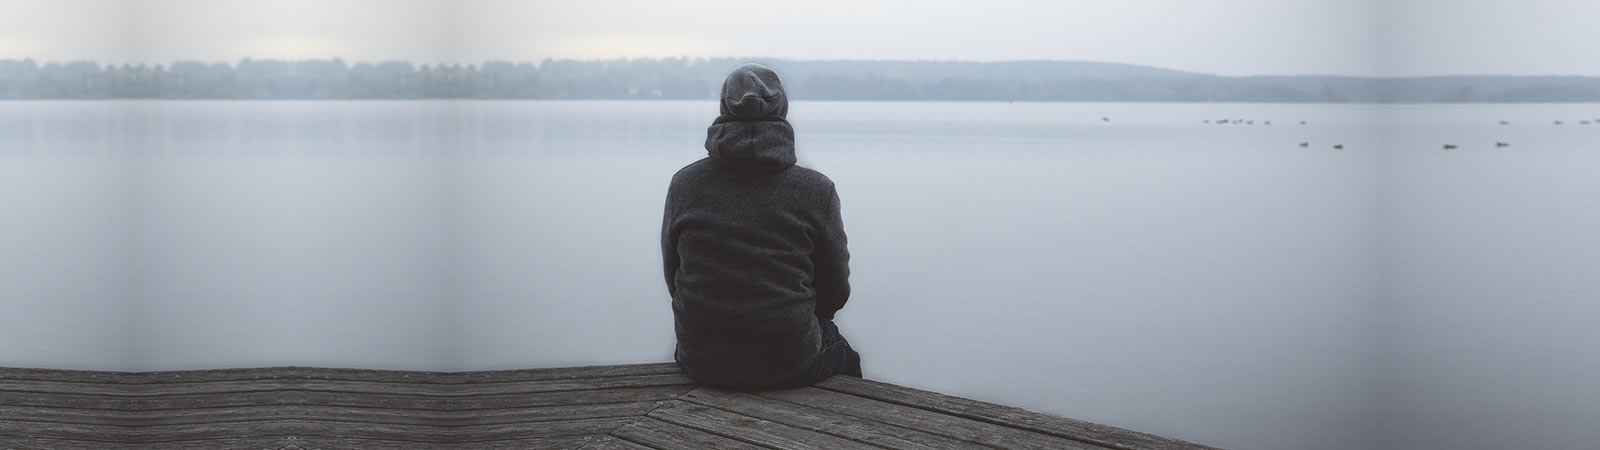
(1136, 265)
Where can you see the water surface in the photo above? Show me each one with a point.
(1126, 264)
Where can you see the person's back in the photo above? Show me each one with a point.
(754, 251)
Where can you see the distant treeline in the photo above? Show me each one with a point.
(699, 78)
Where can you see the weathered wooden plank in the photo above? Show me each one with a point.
(823, 421)
(336, 443)
(506, 409)
(14, 427)
(500, 432)
(555, 443)
(969, 430)
(304, 442)
(440, 390)
(299, 372)
(549, 413)
(353, 430)
(1009, 416)
(307, 443)
(55, 400)
(502, 376)
(368, 400)
(331, 413)
(667, 436)
(749, 429)
(612, 443)
(30, 443)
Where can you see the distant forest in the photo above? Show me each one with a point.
(699, 78)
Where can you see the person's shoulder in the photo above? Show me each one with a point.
(810, 176)
(814, 186)
(693, 169)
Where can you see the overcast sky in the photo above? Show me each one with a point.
(1230, 37)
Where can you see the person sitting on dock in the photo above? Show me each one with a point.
(754, 251)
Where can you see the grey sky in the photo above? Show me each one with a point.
(1233, 37)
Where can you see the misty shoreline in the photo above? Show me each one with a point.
(697, 79)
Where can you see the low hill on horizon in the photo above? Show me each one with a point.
(699, 78)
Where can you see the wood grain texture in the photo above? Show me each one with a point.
(823, 421)
(367, 400)
(612, 443)
(628, 407)
(298, 443)
(754, 430)
(334, 413)
(297, 427)
(668, 436)
(1106, 436)
(982, 433)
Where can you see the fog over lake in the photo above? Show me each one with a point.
(1127, 264)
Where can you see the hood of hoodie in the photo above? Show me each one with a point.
(752, 134)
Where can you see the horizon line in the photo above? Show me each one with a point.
(538, 63)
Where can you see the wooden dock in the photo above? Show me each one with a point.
(638, 407)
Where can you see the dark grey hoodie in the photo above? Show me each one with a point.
(753, 246)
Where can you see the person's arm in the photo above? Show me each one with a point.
(669, 248)
(831, 259)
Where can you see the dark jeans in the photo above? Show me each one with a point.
(837, 359)
(837, 356)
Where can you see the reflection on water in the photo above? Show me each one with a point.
(1219, 283)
